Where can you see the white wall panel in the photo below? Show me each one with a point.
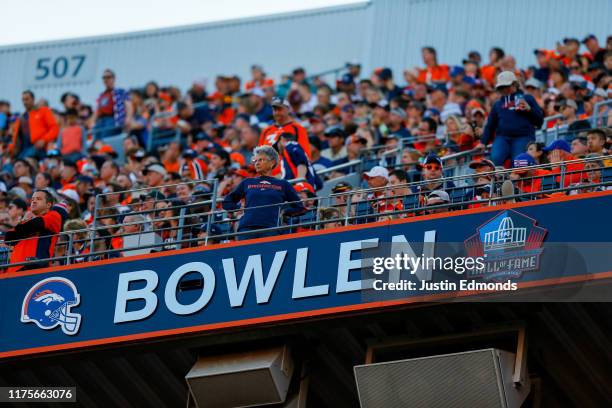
(379, 33)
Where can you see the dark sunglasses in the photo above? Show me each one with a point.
(431, 167)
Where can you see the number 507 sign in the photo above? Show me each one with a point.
(60, 66)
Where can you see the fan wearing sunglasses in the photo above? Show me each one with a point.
(432, 174)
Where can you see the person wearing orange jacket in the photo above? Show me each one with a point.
(35, 237)
(433, 72)
(33, 130)
(283, 124)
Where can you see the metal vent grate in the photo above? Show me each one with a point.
(470, 379)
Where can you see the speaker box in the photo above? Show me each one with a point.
(245, 379)
(475, 379)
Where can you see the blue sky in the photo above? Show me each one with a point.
(61, 19)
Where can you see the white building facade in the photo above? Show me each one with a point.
(376, 33)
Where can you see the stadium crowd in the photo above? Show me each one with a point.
(254, 136)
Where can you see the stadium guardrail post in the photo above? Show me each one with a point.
(69, 250)
(347, 212)
(181, 224)
(94, 222)
(213, 206)
(562, 183)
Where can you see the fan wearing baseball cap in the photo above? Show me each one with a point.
(380, 200)
(307, 193)
(340, 194)
(513, 120)
(432, 172)
(295, 163)
(481, 180)
(559, 151)
(527, 180)
(283, 123)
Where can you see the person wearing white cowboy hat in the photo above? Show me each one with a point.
(513, 120)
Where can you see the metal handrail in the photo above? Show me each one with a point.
(352, 163)
(307, 225)
(347, 216)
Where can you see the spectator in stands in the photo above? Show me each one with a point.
(133, 224)
(513, 120)
(249, 137)
(559, 152)
(295, 163)
(201, 232)
(596, 140)
(283, 124)
(219, 163)
(396, 123)
(35, 236)
(60, 251)
(80, 240)
(379, 198)
(68, 172)
(399, 180)
(318, 162)
(387, 86)
(307, 194)
(339, 196)
(193, 166)
(580, 147)
(108, 172)
(490, 70)
(113, 196)
(166, 222)
(72, 139)
(5, 115)
(593, 169)
(43, 180)
(108, 220)
(21, 168)
(527, 180)
(259, 79)
(138, 127)
(265, 192)
(26, 184)
(330, 217)
(433, 72)
(113, 108)
(596, 53)
(336, 152)
(154, 175)
(432, 173)
(183, 192)
(533, 87)
(33, 130)
(482, 166)
(16, 210)
(536, 150)
(439, 199)
(458, 134)
(233, 180)
(569, 108)
(426, 136)
(147, 203)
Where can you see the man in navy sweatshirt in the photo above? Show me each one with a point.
(264, 197)
(514, 119)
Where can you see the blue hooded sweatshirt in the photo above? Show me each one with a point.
(506, 121)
